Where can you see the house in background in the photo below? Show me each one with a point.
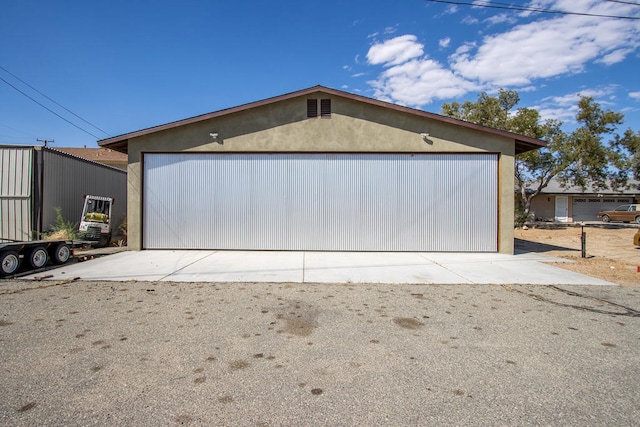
(572, 204)
(325, 170)
(99, 155)
(36, 180)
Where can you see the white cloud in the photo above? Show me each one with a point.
(418, 82)
(565, 107)
(615, 56)
(500, 19)
(395, 51)
(564, 115)
(470, 20)
(410, 78)
(517, 57)
(450, 10)
(389, 30)
(572, 98)
(548, 47)
(464, 48)
(635, 95)
(527, 89)
(520, 58)
(358, 75)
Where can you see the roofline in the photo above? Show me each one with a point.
(81, 159)
(120, 143)
(55, 151)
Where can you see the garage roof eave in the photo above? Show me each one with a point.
(522, 143)
(116, 143)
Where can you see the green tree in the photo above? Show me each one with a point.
(590, 160)
(626, 156)
(533, 169)
(580, 158)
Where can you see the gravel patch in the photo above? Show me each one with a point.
(133, 353)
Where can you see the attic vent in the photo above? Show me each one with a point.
(325, 108)
(312, 108)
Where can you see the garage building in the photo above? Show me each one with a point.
(324, 170)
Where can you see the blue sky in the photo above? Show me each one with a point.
(128, 65)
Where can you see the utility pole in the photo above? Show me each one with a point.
(41, 189)
(45, 141)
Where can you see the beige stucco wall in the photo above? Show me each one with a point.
(544, 207)
(353, 127)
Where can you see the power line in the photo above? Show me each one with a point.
(624, 2)
(53, 101)
(50, 110)
(61, 106)
(495, 5)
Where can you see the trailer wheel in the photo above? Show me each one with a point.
(61, 253)
(9, 261)
(38, 257)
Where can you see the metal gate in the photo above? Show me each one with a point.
(323, 202)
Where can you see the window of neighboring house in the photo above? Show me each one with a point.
(312, 108)
(325, 108)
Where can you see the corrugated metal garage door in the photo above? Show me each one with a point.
(330, 202)
(587, 208)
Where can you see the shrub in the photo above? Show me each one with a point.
(122, 228)
(62, 229)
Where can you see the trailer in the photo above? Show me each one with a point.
(35, 254)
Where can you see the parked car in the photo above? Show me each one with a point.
(626, 213)
(636, 238)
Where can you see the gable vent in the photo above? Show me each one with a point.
(325, 108)
(312, 108)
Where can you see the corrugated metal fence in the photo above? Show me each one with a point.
(16, 188)
(66, 180)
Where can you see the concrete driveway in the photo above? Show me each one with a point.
(322, 267)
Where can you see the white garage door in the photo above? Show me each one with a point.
(325, 202)
(587, 208)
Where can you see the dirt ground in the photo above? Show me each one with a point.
(610, 252)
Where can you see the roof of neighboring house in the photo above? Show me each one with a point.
(65, 153)
(523, 143)
(100, 155)
(555, 187)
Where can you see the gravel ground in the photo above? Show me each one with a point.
(152, 354)
(610, 252)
